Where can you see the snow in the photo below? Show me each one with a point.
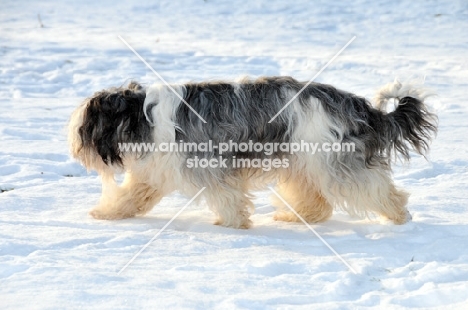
(53, 255)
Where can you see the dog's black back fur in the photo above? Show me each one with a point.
(240, 115)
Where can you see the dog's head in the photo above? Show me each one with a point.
(100, 125)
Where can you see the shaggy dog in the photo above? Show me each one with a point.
(107, 131)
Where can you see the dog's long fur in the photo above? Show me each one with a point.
(358, 182)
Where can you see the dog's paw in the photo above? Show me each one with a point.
(405, 218)
(100, 215)
(400, 220)
(245, 225)
(240, 225)
(285, 216)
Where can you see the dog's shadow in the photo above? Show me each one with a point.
(340, 229)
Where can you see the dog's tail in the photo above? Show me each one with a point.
(410, 126)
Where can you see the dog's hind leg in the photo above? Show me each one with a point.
(304, 198)
(127, 200)
(382, 197)
(394, 206)
(372, 190)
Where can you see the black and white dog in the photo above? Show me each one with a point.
(358, 181)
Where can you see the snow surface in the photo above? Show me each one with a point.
(53, 255)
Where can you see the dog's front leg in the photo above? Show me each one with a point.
(231, 206)
(127, 200)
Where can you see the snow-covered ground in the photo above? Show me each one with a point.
(53, 255)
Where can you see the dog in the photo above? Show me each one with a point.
(243, 113)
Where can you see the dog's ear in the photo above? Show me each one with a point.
(111, 118)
